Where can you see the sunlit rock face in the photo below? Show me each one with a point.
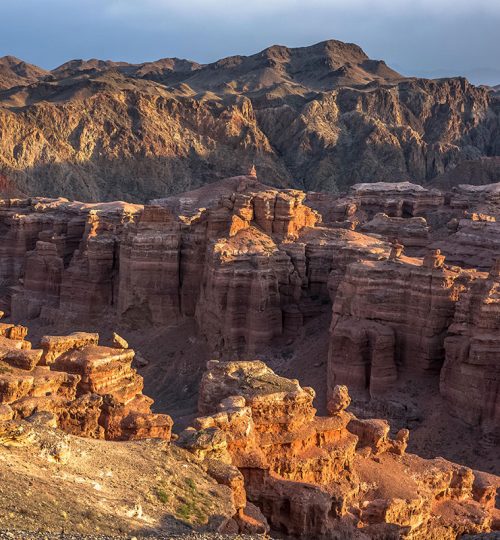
(88, 389)
(318, 477)
(322, 117)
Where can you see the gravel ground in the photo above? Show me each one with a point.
(23, 535)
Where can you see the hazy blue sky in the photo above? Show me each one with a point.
(416, 37)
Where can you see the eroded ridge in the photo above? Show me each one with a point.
(314, 477)
(77, 385)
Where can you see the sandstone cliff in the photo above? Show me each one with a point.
(336, 476)
(389, 315)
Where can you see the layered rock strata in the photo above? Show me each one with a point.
(412, 232)
(470, 378)
(391, 315)
(88, 389)
(402, 199)
(60, 255)
(474, 242)
(269, 270)
(254, 265)
(336, 476)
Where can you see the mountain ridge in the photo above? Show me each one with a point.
(320, 117)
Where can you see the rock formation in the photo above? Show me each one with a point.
(402, 199)
(412, 232)
(149, 268)
(57, 254)
(475, 243)
(322, 117)
(271, 271)
(253, 266)
(88, 389)
(391, 315)
(470, 378)
(336, 476)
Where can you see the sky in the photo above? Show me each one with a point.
(429, 38)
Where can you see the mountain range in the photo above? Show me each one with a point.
(318, 118)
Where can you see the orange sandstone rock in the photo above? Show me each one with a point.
(313, 477)
(91, 390)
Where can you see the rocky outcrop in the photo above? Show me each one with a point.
(397, 200)
(90, 390)
(270, 269)
(87, 261)
(43, 273)
(389, 316)
(469, 197)
(318, 477)
(470, 378)
(240, 302)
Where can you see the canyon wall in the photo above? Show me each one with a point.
(470, 378)
(252, 266)
(391, 315)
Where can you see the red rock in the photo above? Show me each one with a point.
(149, 268)
(312, 477)
(339, 400)
(54, 346)
(119, 342)
(470, 376)
(253, 265)
(388, 314)
(402, 199)
(43, 271)
(475, 244)
(91, 390)
(24, 359)
(6, 413)
(412, 232)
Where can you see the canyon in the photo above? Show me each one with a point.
(383, 301)
(317, 118)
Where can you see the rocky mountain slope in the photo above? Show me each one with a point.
(321, 118)
(15, 72)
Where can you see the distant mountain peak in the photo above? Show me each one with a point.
(17, 72)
